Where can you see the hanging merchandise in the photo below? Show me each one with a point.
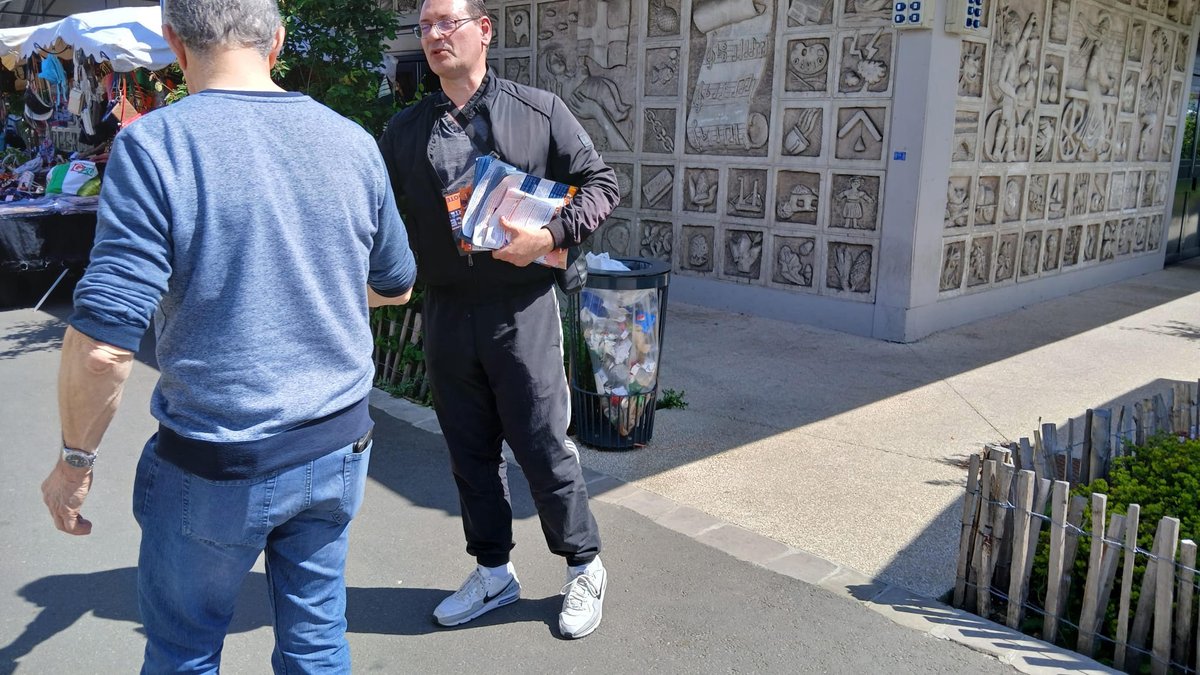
(70, 178)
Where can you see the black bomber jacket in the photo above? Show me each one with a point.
(531, 129)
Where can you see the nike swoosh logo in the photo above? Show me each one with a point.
(489, 598)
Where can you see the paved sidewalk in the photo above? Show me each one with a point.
(685, 597)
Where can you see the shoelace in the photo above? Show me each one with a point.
(578, 589)
(474, 587)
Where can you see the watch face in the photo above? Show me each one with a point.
(78, 460)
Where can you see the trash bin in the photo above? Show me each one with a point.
(614, 331)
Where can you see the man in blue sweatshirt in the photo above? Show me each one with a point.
(223, 219)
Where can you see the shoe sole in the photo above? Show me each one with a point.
(591, 627)
(499, 601)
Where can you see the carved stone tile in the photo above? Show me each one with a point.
(1129, 86)
(517, 70)
(979, 263)
(987, 200)
(1154, 235)
(855, 202)
(747, 193)
(958, 201)
(798, 195)
(662, 72)
(1012, 92)
(658, 187)
(865, 11)
(807, 65)
(730, 74)
(1149, 186)
(1108, 240)
(1121, 148)
(1031, 253)
(517, 26)
(699, 248)
(1098, 200)
(603, 33)
(1035, 207)
(1176, 91)
(1060, 21)
(1091, 242)
(1152, 95)
(658, 132)
(1167, 148)
(624, 183)
(803, 129)
(1052, 79)
(848, 267)
(809, 13)
(1056, 196)
(1182, 52)
(743, 254)
(1160, 189)
(966, 135)
(700, 190)
(1132, 180)
(662, 18)
(860, 133)
(952, 265)
(1158, 7)
(1006, 256)
(1080, 183)
(1052, 250)
(1125, 237)
(795, 260)
(657, 240)
(1044, 139)
(1141, 229)
(1137, 41)
(617, 237)
(866, 65)
(1071, 245)
(1014, 197)
(1116, 190)
(970, 69)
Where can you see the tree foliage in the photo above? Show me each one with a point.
(334, 53)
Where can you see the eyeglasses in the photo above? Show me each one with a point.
(444, 27)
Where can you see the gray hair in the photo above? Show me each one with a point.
(206, 24)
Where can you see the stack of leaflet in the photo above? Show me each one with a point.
(502, 190)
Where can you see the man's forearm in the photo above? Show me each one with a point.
(91, 379)
(376, 300)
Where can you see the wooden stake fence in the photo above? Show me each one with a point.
(1003, 514)
(391, 366)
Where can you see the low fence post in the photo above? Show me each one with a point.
(1132, 515)
(1058, 540)
(1183, 608)
(1164, 595)
(970, 516)
(1018, 579)
(1091, 589)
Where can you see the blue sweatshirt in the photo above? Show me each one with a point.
(248, 225)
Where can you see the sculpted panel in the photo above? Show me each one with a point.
(700, 190)
(657, 240)
(807, 65)
(979, 264)
(860, 133)
(731, 70)
(658, 187)
(803, 129)
(1071, 245)
(624, 182)
(662, 18)
(1053, 250)
(987, 200)
(1036, 203)
(517, 26)
(1031, 253)
(1088, 118)
(966, 135)
(662, 72)
(855, 202)
(795, 260)
(848, 267)
(658, 133)
(798, 197)
(952, 265)
(1015, 59)
(517, 70)
(970, 69)
(698, 243)
(809, 12)
(747, 193)
(743, 254)
(1014, 196)
(1006, 256)
(866, 65)
(958, 201)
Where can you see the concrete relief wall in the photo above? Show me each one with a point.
(1064, 135)
(749, 136)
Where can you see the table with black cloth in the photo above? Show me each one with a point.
(35, 248)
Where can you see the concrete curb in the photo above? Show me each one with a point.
(1022, 652)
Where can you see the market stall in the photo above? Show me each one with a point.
(70, 86)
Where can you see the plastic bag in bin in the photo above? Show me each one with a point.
(620, 329)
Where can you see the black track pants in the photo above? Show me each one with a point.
(496, 370)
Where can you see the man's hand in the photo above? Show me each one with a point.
(63, 491)
(525, 244)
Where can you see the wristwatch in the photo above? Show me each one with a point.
(78, 458)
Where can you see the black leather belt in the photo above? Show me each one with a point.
(362, 443)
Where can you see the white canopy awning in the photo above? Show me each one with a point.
(126, 37)
(11, 41)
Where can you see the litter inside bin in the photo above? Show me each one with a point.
(620, 331)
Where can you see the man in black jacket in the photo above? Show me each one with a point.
(493, 337)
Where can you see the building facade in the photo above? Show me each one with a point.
(805, 160)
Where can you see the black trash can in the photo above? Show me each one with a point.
(614, 332)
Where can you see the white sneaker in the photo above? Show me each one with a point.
(584, 603)
(482, 592)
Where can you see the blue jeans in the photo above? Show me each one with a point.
(200, 538)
